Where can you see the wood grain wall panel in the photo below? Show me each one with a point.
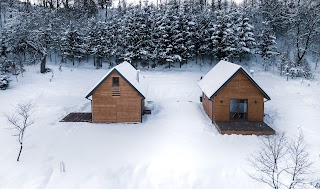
(124, 108)
(207, 105)
(240, 87)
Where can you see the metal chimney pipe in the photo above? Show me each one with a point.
(138, 75)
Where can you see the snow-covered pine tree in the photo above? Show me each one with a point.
(213, 5)
(179, 33)
(97, 42)
(189, 32)
(156, 33)
(207, 28)
(223, 38)
(245, 41)
(3, 47)
(165, 46)
(72, 45)
(4, 81)
(198, 25)
(266, 46)
(110, 45)
(146, 42)
(132, 29)
(119, 28)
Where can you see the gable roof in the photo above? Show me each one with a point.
(220, 75)
(129, 73)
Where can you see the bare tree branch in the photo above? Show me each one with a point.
(21, 120)
(280, 158)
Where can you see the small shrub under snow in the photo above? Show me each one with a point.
(4, 82)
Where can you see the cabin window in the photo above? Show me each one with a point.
(238, 109)
(115, 82)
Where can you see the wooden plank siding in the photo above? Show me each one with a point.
(240, 87)
(207, 105)
(127, 107)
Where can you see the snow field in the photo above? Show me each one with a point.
(175, 147)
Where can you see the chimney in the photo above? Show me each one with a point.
(138, 75)
(252, 72)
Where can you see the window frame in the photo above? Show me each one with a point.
(115, 82)
(239, 114)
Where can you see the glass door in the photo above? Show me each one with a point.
(238, 109)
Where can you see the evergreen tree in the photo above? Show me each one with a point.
(267, 42)
(97, 40)
(245, 42)
(223, 38)
(72, 45)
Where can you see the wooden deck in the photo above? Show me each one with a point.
(77, 117)
(244, 128)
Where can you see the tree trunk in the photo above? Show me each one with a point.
(43, 64)
(99, 62)
(106, 12)
(19, 153)
(300, 55)
(66, 4)
(0, 16)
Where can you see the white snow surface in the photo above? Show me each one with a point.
(131, 74)
(176, 147)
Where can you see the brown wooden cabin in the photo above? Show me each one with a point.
(233, 100)
(119, 96)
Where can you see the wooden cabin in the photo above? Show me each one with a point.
(233, 100)
(118, 96)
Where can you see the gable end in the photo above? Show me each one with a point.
(249, 77)
(106, 77)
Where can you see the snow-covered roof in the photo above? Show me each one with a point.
(129, 73)
(220, 75)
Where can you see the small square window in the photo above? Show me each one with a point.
(115, 82)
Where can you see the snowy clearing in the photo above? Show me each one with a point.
(175, 147)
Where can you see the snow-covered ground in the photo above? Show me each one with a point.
(175, 147)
